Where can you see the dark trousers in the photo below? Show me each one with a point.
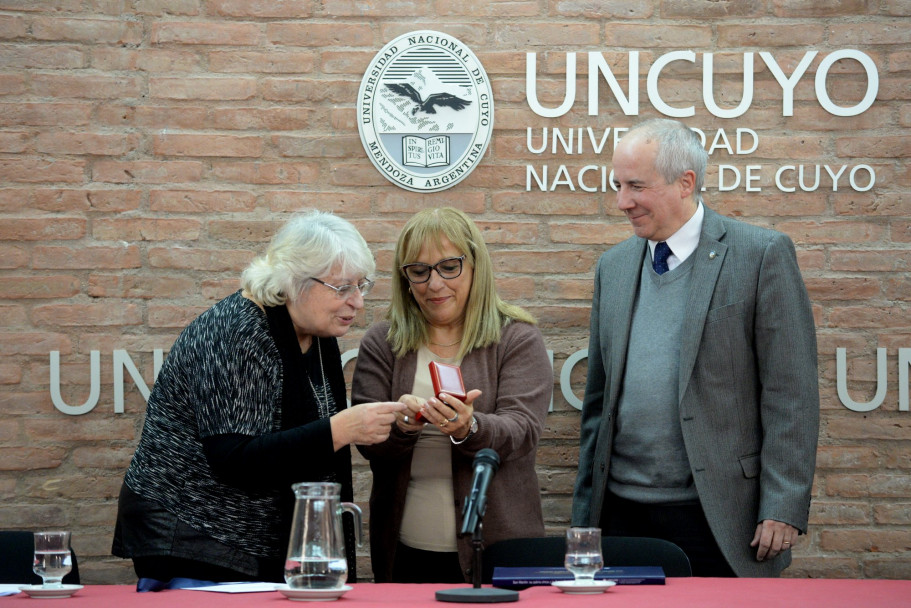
(683, 524)
(418, 566)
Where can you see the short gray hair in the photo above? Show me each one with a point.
(679, 150)
(309, 245)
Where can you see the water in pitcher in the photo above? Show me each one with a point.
(309, 573)
(316, 547)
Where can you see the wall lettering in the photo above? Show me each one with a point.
(121, 361)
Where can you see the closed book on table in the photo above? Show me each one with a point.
(520, 578)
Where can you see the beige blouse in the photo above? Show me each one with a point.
(429, 519)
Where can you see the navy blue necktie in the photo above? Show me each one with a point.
(662, 253)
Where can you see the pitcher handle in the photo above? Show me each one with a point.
(356, 512)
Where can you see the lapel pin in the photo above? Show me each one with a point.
(712, 255)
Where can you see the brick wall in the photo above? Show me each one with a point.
(149, 147)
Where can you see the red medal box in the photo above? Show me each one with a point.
(447, 379)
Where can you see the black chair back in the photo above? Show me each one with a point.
(17, 552)
(617, 550)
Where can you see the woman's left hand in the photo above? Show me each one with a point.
(451, 415)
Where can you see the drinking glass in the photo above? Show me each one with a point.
(583, 553)
(53, 559)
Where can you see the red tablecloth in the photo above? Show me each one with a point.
(677, 593)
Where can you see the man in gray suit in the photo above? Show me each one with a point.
(701, 409)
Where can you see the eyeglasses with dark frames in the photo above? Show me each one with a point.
(343, 292)
(448, 268)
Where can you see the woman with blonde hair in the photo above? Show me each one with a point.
(445, 308)
(251, 400)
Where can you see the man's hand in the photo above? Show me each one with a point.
(773, 537)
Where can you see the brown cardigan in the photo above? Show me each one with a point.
(516, 379)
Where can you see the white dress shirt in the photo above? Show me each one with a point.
(683, 242)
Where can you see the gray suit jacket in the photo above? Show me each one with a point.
(749, 396)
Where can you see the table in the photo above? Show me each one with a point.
(677, 593)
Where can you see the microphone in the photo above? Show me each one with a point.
(486, 463)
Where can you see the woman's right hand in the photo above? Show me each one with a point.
(406, 419)
(364, 424)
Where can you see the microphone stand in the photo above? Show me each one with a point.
(477, 545)
(477, 594)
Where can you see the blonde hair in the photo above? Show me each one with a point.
(309, 245)
(485, 313)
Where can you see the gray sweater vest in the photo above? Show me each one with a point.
(649, 462)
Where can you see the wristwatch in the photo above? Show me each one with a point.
(471, 431)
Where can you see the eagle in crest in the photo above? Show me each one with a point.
(427, 105)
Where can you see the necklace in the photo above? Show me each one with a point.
(323, 407)
(445, 345)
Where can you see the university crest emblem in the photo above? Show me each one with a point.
(425, 111)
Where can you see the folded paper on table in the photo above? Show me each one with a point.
(520, 578)
(193, 584)
(10, 589)
(238, 587)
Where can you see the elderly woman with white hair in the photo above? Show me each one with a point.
(251, 400)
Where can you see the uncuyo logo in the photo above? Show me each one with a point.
(425, 111)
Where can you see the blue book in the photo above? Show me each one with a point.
(520, 578)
